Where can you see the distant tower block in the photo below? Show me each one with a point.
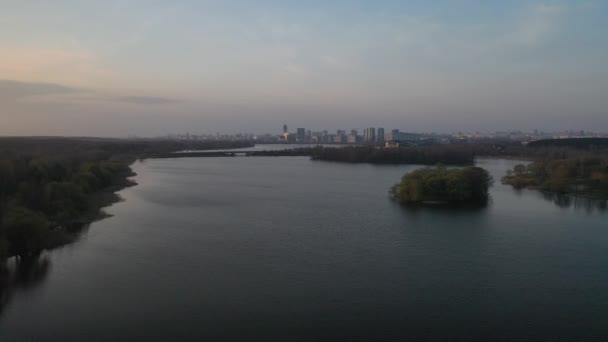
(370, 135)
(380, 136)
(300, 134)
(285, 130)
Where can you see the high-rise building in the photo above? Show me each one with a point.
(301, 135)
(369, 136)
(285, 137)
(380, 136)
(393, 135)
(324, 137)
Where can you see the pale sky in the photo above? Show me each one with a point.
(118, 68)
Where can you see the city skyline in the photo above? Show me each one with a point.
(380, 135)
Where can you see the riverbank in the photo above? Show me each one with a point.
(70, 229)
(288, 152)
(310, 238)
(583, 176)
(52, 188)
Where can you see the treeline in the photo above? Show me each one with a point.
(580, 143)
(49, 186)
(294, 152)
(468, 185)
(586, 175)
(546, 153)
(104, 148)
(573, 166)
(42, 199)
(424, 155)
(550, 149)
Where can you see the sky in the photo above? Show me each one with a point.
(150, 68)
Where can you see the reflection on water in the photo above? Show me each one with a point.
(571, 201)
(21, 274)
(443, 209)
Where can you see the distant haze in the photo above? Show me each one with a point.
(118, 68)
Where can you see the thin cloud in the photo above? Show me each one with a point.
(146, 100)
(12, 89)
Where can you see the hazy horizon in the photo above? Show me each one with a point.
(84, 68)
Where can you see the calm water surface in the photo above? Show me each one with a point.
(262, 248)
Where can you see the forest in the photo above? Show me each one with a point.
(52, 187)
(586, 175)
(567, 166)
(424, 155)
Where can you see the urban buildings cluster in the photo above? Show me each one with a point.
(380, 137)
(212, 137)
(370, 136)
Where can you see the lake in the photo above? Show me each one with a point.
(284, 248)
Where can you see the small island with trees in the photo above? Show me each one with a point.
(440, 185)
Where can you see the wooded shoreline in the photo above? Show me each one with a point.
(50, 188)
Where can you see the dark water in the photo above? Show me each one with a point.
(291, 249)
